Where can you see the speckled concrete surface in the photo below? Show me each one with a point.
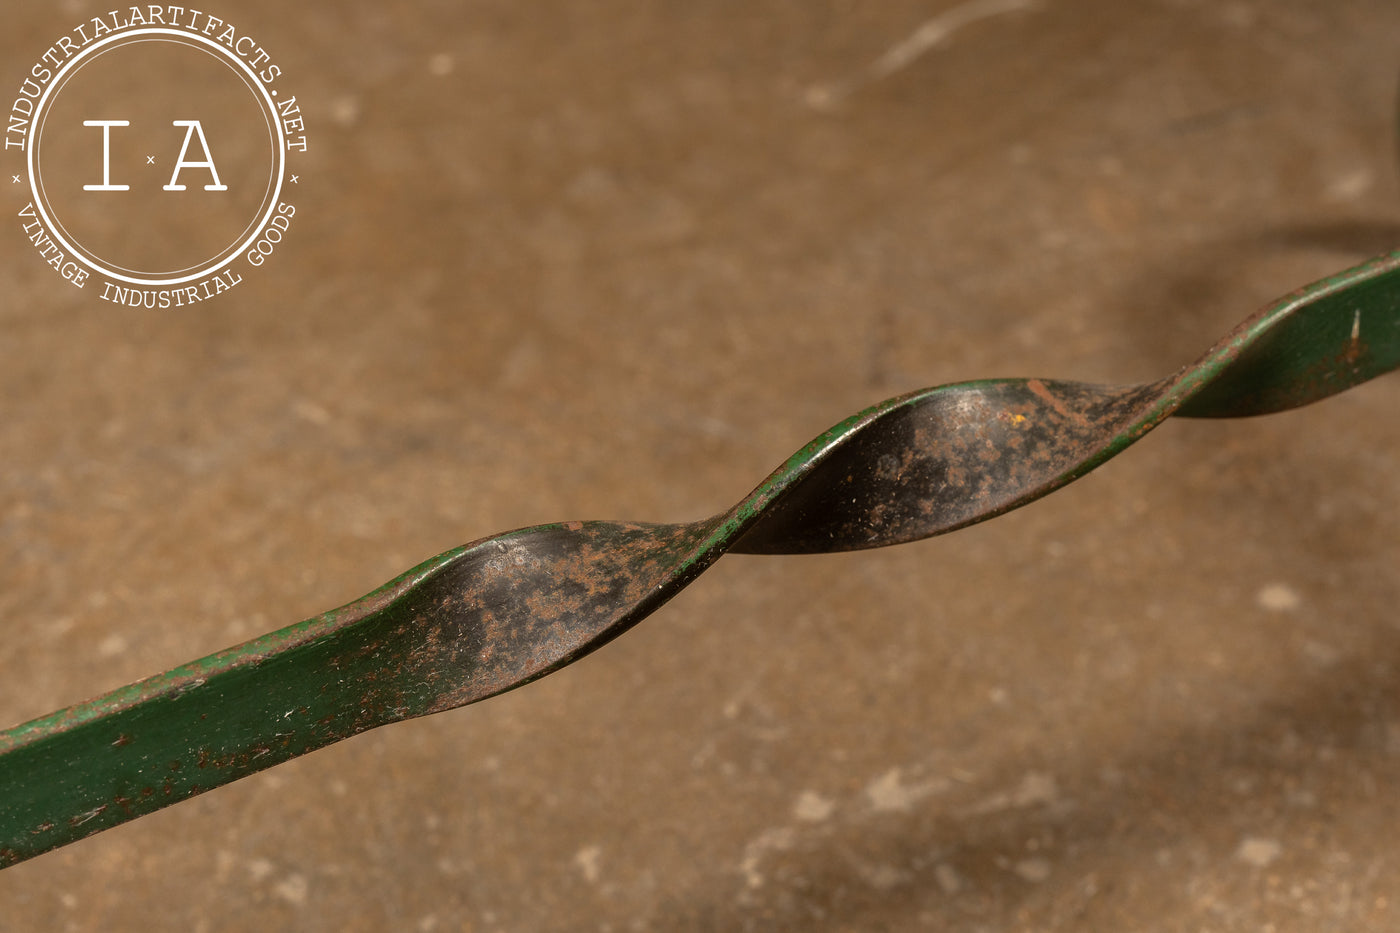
(618, 260)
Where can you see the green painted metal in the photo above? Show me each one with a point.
(509, 609)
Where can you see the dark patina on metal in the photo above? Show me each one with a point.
(509, 609)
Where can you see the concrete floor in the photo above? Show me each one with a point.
(618, 260)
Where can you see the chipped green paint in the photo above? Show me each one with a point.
(506, 610)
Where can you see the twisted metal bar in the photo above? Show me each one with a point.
(506, 610)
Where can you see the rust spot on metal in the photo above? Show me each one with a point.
(1038, 388)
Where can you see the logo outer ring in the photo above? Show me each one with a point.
(203, 271)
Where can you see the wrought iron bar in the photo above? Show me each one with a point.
(506, 610)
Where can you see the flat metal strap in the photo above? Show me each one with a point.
(506, 610)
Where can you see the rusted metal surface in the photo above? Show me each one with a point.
(506, 610)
